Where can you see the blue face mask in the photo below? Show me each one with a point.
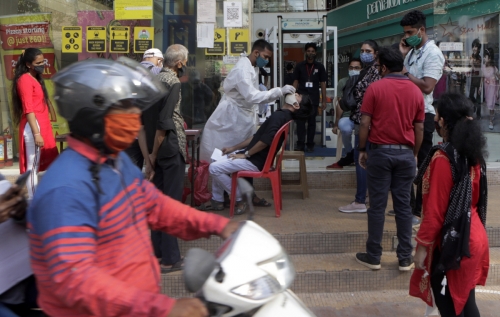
(261, 62)
(367, 57)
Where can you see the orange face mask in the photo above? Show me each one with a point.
(120, 130)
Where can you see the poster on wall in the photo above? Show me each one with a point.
(238, 41)
(71, 39)
(143, 38)
(219, 43)
(104, 21)
(233, 14)
(19, 32)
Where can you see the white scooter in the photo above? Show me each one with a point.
(249, 276)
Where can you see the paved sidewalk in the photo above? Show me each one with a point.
(388, 303)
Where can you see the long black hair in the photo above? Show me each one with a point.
(463, 133)
(28, 56)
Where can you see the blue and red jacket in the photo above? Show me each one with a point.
(91, 253)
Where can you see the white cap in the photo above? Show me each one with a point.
(290, 99)
(153, 52)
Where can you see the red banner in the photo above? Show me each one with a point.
(10, 62)
(25, 35)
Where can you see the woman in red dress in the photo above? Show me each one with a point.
(452, 255)
(37, 145)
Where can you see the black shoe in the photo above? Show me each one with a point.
(310, 149)
(406, 264)
(364, 259)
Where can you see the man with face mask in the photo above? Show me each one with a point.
(254, 150)
(392, 120)
(309, 77)
(153, 60)
(90, 217)
(424, 64)
(342, 120)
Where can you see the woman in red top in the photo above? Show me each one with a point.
(37, 145)
(452, 255)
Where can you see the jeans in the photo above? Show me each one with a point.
(394, 170)
(311, 129)
(361, 186)
(346, 126)
(416, 200)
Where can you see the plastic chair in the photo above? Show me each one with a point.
(269, 171)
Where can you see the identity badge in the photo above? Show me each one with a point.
(309, 84)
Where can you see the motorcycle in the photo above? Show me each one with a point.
(249, 275)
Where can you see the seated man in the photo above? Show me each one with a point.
(254, 151)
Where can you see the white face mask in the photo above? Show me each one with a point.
(290, 99)
(354, 72)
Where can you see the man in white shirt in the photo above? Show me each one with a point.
(423, 65)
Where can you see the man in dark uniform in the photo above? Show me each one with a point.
(309, 75)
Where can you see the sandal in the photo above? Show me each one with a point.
(241, 208)
(261, 203)
(178, 266)
(215, 206)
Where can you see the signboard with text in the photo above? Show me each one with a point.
(143, 38)
(71, 39)
(96, 39)
(25, 35)
(119, 38)
(219, 43)
(238, 41)
(133, 9)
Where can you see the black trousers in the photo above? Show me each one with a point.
(135, 154)
(169, 178)
(416, 200)
(311, 129)
(444, 302)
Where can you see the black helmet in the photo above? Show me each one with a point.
(85, 91)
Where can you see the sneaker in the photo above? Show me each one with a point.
(364, 259)
(491, 125)
(391, 213)
(415, 222)
(353, 207)
(334, 166)
(406, 264)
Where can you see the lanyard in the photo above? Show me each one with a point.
(309, 72)
(419, 54)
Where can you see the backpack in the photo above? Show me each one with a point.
(347, 102)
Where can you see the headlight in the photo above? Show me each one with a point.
(260, 288)
(281, 268)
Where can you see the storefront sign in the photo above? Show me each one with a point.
(238, 41)
(96, 39)
(302, 24)
(382, 5)
(143, 38)
(451, 46)
(71, 39)
(219, 43)
(25, 35)
(119, 39)
(10, 62)
(133, 9)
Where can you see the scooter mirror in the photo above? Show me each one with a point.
(198, 265)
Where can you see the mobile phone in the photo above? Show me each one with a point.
(21, 180)
(406, 43)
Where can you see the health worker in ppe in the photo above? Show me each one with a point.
(235, 118)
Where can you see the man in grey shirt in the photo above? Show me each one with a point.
(423, 63)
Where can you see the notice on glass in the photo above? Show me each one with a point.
(205, 35)
(233, 14)
(206, 11)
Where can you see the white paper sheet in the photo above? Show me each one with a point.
(218, 156)
(233, 14)
(205, 35)
(206, 11)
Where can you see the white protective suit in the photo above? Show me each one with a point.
(235, 118)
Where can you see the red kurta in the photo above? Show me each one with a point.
(31, 94)
(436, 188)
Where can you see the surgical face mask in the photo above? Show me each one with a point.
(414, 40)
(353, 72)
(311, 55)
(367, 57)
(39, 69)
(121, 130)
(290, 99)
(261, 62)
(181, 71)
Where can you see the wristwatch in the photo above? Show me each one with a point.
(247, 154)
